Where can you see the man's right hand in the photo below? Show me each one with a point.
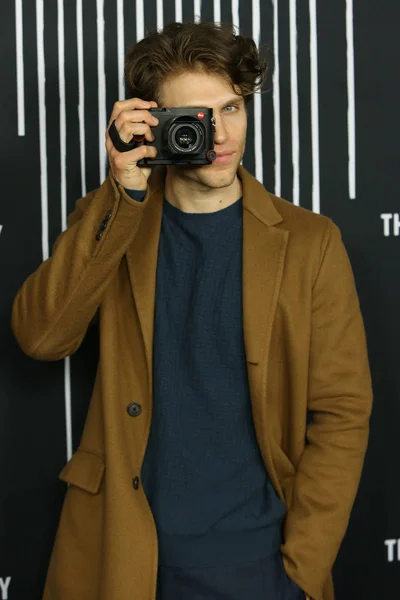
(132, 117)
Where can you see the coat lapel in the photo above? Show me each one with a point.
(264, 249)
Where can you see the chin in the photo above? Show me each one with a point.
(218, 175)
(217, 179)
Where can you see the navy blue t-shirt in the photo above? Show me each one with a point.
(203, 474)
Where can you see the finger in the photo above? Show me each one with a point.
(135, 116)
(130, 104)
(120, 160)
(128, 130)
(152, 151)
(144, 152)
(138, 153)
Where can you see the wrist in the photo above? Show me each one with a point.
(129, 183)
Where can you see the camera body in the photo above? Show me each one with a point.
(183, 136)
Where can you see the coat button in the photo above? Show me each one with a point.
(103, 225)
(135, 483)
(134, 409)
(108, 215)
(99, 235)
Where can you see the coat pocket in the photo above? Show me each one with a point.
(85, 470)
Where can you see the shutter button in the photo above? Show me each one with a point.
(135, 483)
(134, 409)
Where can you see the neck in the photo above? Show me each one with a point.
(195, 197)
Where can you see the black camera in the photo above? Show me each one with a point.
(183, 136)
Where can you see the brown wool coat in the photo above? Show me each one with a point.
(305, 348)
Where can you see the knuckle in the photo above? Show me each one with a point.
(137, 130)
(120, 124)
(119, 121)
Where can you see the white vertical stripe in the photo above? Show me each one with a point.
(351, 111)
(63, 164)
(294, 102)
(257, 100)
(19, 42)
(121, 48)
(139, 20)
(62, 113)
(217, 11)
(101, 88)
(41, 74)
(314, 106)
(197, 11)
(81, 105)
(277, 102)
(235, 14)
(178, 11)
(160, 14)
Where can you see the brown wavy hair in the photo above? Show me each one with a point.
(194, 47)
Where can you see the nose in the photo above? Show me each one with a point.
(220, 133)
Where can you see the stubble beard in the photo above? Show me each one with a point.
(212, 177)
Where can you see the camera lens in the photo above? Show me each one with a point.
(185, 137)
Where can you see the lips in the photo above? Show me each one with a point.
(223, 158)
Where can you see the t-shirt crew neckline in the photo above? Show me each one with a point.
(221, 215)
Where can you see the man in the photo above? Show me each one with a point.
(226, 316)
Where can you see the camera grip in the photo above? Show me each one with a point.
(120, 145)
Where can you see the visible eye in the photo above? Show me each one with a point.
(232, 106)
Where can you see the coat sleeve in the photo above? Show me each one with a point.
(340, 402)
(54, 307)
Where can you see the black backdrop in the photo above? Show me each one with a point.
(60, 74)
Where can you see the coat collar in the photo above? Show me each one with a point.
(256, 199)
(264, 249)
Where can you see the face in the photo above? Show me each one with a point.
(212, 91)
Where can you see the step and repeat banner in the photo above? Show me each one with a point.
(322, 134)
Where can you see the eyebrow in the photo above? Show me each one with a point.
(233, 100)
